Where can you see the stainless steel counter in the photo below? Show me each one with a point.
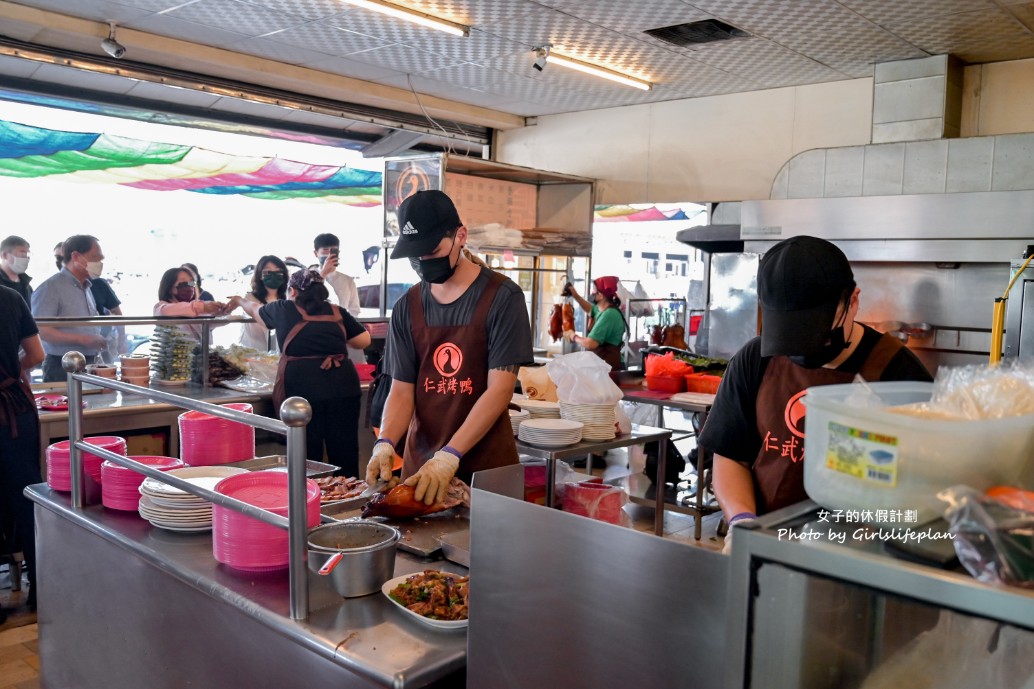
(122, 603)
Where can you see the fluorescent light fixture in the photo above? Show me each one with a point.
(602, 72)
(412, 16)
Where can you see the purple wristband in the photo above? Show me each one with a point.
(453, 451)
(742, 515)
(385, 440)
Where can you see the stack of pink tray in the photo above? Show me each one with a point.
(59, 468)
(207, 439)
(120, 487)
(245, 543)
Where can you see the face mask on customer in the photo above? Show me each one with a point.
(19, 264)
(435, 270)
(273, 280)
(94, 269)
(831, 350)
(183, 293)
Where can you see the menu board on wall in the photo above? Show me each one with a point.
(481, 201)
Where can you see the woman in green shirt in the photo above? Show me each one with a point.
(607, 325)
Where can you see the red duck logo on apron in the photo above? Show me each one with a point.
(448, 358)
(794, 415)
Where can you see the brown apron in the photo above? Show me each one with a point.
(611, 354)
(779, 468)
(329, 360)
(452, 377)
(15, 398)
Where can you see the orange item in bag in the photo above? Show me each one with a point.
(1017, 498)
(568, 317)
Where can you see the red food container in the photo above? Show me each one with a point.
(694, 324)
(666, 384)
(702, 382)
(595, 500)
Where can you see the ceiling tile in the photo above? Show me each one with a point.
(307, 9)
(404, 58)
(884, 12)
(278, 51)
(239, 17)
(351, 68)
(17, 67)
(973, 36)
(472, 12)
(764, 63)
(326, 38)
(631, 17)
(478, 46)
(96, 10)
(164, 25)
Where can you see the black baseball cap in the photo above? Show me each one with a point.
(424, 218)
(800, 284)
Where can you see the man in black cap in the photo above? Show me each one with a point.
(809, 337)
(456, 342)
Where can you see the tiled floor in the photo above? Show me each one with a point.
(19, 649)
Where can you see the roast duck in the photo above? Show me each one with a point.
(674, 336)
(399, 503)
(560, 320)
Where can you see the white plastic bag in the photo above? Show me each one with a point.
(583, 378)
(624, 423)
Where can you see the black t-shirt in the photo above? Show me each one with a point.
(15, 326)
(22, 286)
(317, 339)
(509, 329)
(104, 296)
(732, 428)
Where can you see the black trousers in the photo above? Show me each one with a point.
(19, 467)
(335, 429)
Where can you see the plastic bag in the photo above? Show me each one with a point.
(621, 419)
(960, 652)
(536, 383)
(985, 392)
(597, 501)
(583, 378)
(994, 542)
(667, 365)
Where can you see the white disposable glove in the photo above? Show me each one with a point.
(737, 521)
(432, 479)
(381, 462)
(569, 335)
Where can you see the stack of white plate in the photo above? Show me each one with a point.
(516, 417)
(598, 419)
(176, 510)
(550, 433)
(539, 409)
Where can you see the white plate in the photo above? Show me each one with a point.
(440, 624)
(552, 425)
(183, 529)
(154, 486)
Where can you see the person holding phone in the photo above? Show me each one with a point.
(342, 287)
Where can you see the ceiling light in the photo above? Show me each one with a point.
(412, 16)
(603, 72)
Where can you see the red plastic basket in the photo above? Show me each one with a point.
(702, 382)
(665, 384)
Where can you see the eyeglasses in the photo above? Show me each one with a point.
(186, 284)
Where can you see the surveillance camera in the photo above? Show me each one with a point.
(113, 48)
(541, 55)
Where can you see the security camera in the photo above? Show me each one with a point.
(111, 46)
(541, 56)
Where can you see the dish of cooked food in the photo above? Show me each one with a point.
(433, 594)
(333, 488)
(399, 503)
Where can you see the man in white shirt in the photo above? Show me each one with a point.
(343, 291)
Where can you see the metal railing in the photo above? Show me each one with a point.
(295, 413)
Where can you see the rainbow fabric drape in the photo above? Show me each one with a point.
(27, 152)
(632, 214)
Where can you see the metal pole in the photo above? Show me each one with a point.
(74, 362)
(296, 413)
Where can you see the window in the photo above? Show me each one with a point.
(652, 262)
(676, 264)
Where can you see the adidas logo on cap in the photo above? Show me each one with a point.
(409, 229)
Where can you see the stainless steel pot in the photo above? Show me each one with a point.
(367, 555)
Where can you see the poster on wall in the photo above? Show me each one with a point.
(404, 177)
(483, 200)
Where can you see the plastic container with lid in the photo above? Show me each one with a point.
(873, 460)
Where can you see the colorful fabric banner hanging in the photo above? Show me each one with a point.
(29, 152)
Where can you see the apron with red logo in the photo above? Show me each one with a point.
(452, 377)
(779, 468)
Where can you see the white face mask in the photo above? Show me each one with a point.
(18, 264)
(94, 269)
